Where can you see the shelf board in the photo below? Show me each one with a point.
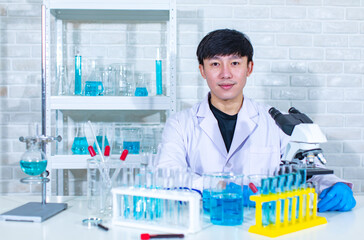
(109, 103)
(110, 9)
(80, 161)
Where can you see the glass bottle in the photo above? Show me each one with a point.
(62, 81)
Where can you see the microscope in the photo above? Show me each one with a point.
(303, 150)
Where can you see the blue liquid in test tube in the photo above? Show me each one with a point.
(265, 206)
(273, 185)
(78, 75)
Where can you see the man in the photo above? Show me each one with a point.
(228, 132)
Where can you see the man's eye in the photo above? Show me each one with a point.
(235, 63)
(214, 64)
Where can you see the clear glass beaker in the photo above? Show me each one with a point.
(63, 85)
(124, 78)
(226, 199)
(131, 139)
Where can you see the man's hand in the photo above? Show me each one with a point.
(338, 197)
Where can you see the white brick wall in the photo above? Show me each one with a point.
(308, 54)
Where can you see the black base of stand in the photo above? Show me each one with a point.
(33, 212)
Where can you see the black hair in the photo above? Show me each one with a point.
(223, 42)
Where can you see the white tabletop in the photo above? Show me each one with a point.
(67, 225)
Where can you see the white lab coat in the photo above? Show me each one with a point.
(192, 138)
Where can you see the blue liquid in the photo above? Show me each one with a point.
(99, 141)
(141, 92)
(206, 201)
(226, 209)
(78, 75)
(79, 145)
(133, 147)
(94, 88)
(33, 168)
(158, 71)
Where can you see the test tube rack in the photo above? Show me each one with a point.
(279, 228)
(166, 217)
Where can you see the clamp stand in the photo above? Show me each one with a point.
(35, 211)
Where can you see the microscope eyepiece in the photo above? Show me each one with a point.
(293, 110)
(274, 113)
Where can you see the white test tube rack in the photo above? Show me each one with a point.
(191, 198)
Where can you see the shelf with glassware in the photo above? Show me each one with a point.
(90, 103)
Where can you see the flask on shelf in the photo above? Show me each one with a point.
(80, 144)
(141, 86)
(94, 84)
(62, 81)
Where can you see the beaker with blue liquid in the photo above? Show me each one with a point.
(141, 87)
(226, 199)
(94, 85)
(131, 139)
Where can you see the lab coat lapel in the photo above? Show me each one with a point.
(245, 125)
(209, 125)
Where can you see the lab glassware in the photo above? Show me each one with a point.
(80, 144)
(131, 139)
(141, 87)
(78, 74)
(256, 186)
(33, 162)
(94, 83)
(226, 199)
(158, 73)
(63, 84)
(101, 136)
(110, 81)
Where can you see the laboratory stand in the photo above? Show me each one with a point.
(68, 225)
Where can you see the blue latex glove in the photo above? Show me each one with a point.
(338, 197)
(247, 192)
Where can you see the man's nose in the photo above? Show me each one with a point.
(225, 72)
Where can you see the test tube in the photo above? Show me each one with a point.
(265, 190)
(273, 184)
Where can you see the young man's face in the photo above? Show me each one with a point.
(226, 76)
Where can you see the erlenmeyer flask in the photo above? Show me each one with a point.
(141, 86)
(62, 81)
(80, 144)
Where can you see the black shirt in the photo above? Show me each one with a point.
(226, 124)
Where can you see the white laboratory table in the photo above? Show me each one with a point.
(67, 225)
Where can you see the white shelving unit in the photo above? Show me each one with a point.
(60, 11)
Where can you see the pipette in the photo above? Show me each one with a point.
(146, 236)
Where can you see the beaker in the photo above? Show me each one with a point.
(226, 198)
(141, 87)
(124, 74)
(80, 144)
(131, 139)
(110, 81)
(99, 199)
